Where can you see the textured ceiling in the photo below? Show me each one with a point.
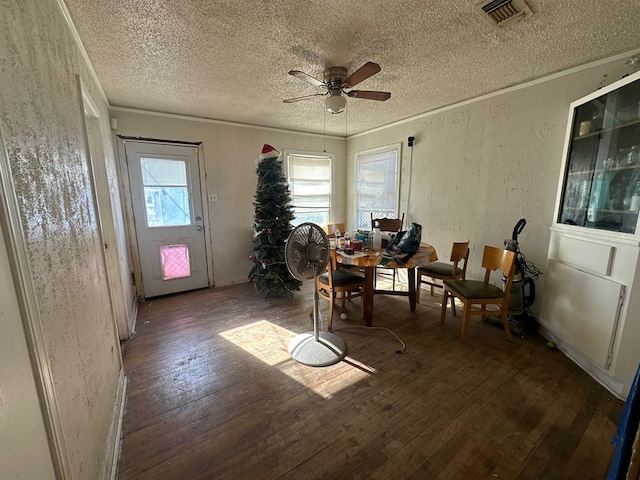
(228, 59)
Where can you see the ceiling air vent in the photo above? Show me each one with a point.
(500, 13)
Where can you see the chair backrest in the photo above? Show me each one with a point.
(460, 253)
(332, 227)
(332, 265)
(495, 258)
(387, 224)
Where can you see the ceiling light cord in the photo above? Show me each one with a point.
(324, 130)
(346, 117)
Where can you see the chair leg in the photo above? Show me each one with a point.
(466, 314)
(505, 322)
(433, 280)
(443, 308)
(453, 305)
(418, 288)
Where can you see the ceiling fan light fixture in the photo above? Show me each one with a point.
(335, 103)
(336, 83)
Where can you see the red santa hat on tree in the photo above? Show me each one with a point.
(268, 152)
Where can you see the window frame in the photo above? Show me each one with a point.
(309, 154)
(397, 148)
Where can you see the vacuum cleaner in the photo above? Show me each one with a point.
(523, 292)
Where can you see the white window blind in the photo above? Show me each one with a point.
(376, 185)
(309, 178)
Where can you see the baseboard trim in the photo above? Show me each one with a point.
(133, 315)
(115, 431)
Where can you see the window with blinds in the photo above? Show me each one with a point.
(309, 178)
(377, 184)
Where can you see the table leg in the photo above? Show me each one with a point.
(411, 274)
(367, 295)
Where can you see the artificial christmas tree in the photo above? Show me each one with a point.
(272, 225)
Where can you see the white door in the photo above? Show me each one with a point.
(167, 209)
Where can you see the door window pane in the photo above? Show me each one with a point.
(166, 192)
(174, 260)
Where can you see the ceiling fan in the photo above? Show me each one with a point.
(336, 82)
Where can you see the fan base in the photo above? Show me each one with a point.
(329, 349)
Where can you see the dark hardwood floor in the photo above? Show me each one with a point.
(213, 394)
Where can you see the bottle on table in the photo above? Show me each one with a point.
(377, 239)
(370, 240)
(337, 234)
(347, 240)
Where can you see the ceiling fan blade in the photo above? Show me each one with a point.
(364, 72)
(306, 97)
(369, 95)
(306, 77)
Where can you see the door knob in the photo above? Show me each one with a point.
(199, 227)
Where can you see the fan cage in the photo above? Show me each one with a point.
(307, 251)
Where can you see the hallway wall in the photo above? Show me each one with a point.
(41, 119)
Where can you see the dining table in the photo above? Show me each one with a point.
(368, 261)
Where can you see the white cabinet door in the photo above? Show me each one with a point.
(582, 309)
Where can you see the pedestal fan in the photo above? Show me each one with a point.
(307, 254)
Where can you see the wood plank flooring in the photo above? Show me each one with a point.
(213, 394)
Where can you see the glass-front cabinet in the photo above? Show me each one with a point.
(590, 305)
(601, 187)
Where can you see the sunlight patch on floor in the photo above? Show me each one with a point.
(269, 343)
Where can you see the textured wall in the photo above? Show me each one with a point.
(478, 168)
(41, 118)
(230, 155)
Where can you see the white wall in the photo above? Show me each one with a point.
(481, 166)
(24, 451)
(42, 122)
(230, 154)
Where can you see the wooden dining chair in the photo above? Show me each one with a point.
(387, 224)
(335, 281)
(393, 225)
(481, 292)
(332, 227)
(444, 271)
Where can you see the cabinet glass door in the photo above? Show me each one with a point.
(602, 178)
